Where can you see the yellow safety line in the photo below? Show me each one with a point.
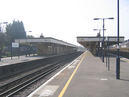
(68, 82)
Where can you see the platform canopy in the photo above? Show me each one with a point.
(44, 40)
(92, 43)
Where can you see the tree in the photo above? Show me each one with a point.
(2, 42)
(16, 30)
(30, 36)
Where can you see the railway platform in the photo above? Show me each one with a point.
(87, 76)
(19, 59)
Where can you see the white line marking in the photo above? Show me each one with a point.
(48, 90)
(103, 79)
(71, 67)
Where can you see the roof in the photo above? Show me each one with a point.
(91, 42)
(45, 40)
(97, 39)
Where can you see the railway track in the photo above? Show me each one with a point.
(12, 88)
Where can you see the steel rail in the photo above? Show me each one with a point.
(21, 86)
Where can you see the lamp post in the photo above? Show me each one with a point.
(103, 19)
(1, 29)
(98, 35)
(28, 31)
(118, 55)
(27, 52)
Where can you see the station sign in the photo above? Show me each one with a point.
(100, 44)
(15, 45)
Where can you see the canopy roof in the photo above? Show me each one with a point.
(91, 42)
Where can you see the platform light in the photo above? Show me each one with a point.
(103, 19)
(118, 53)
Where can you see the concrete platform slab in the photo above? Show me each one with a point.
(15, 60)
(89, 77)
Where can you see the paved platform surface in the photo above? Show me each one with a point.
(16, 59)
(87, 76)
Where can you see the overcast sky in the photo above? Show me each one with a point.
(66, 19)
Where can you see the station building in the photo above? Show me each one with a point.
(48, 45)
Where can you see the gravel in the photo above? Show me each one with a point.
(37, 84)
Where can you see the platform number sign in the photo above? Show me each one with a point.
(15, 45)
